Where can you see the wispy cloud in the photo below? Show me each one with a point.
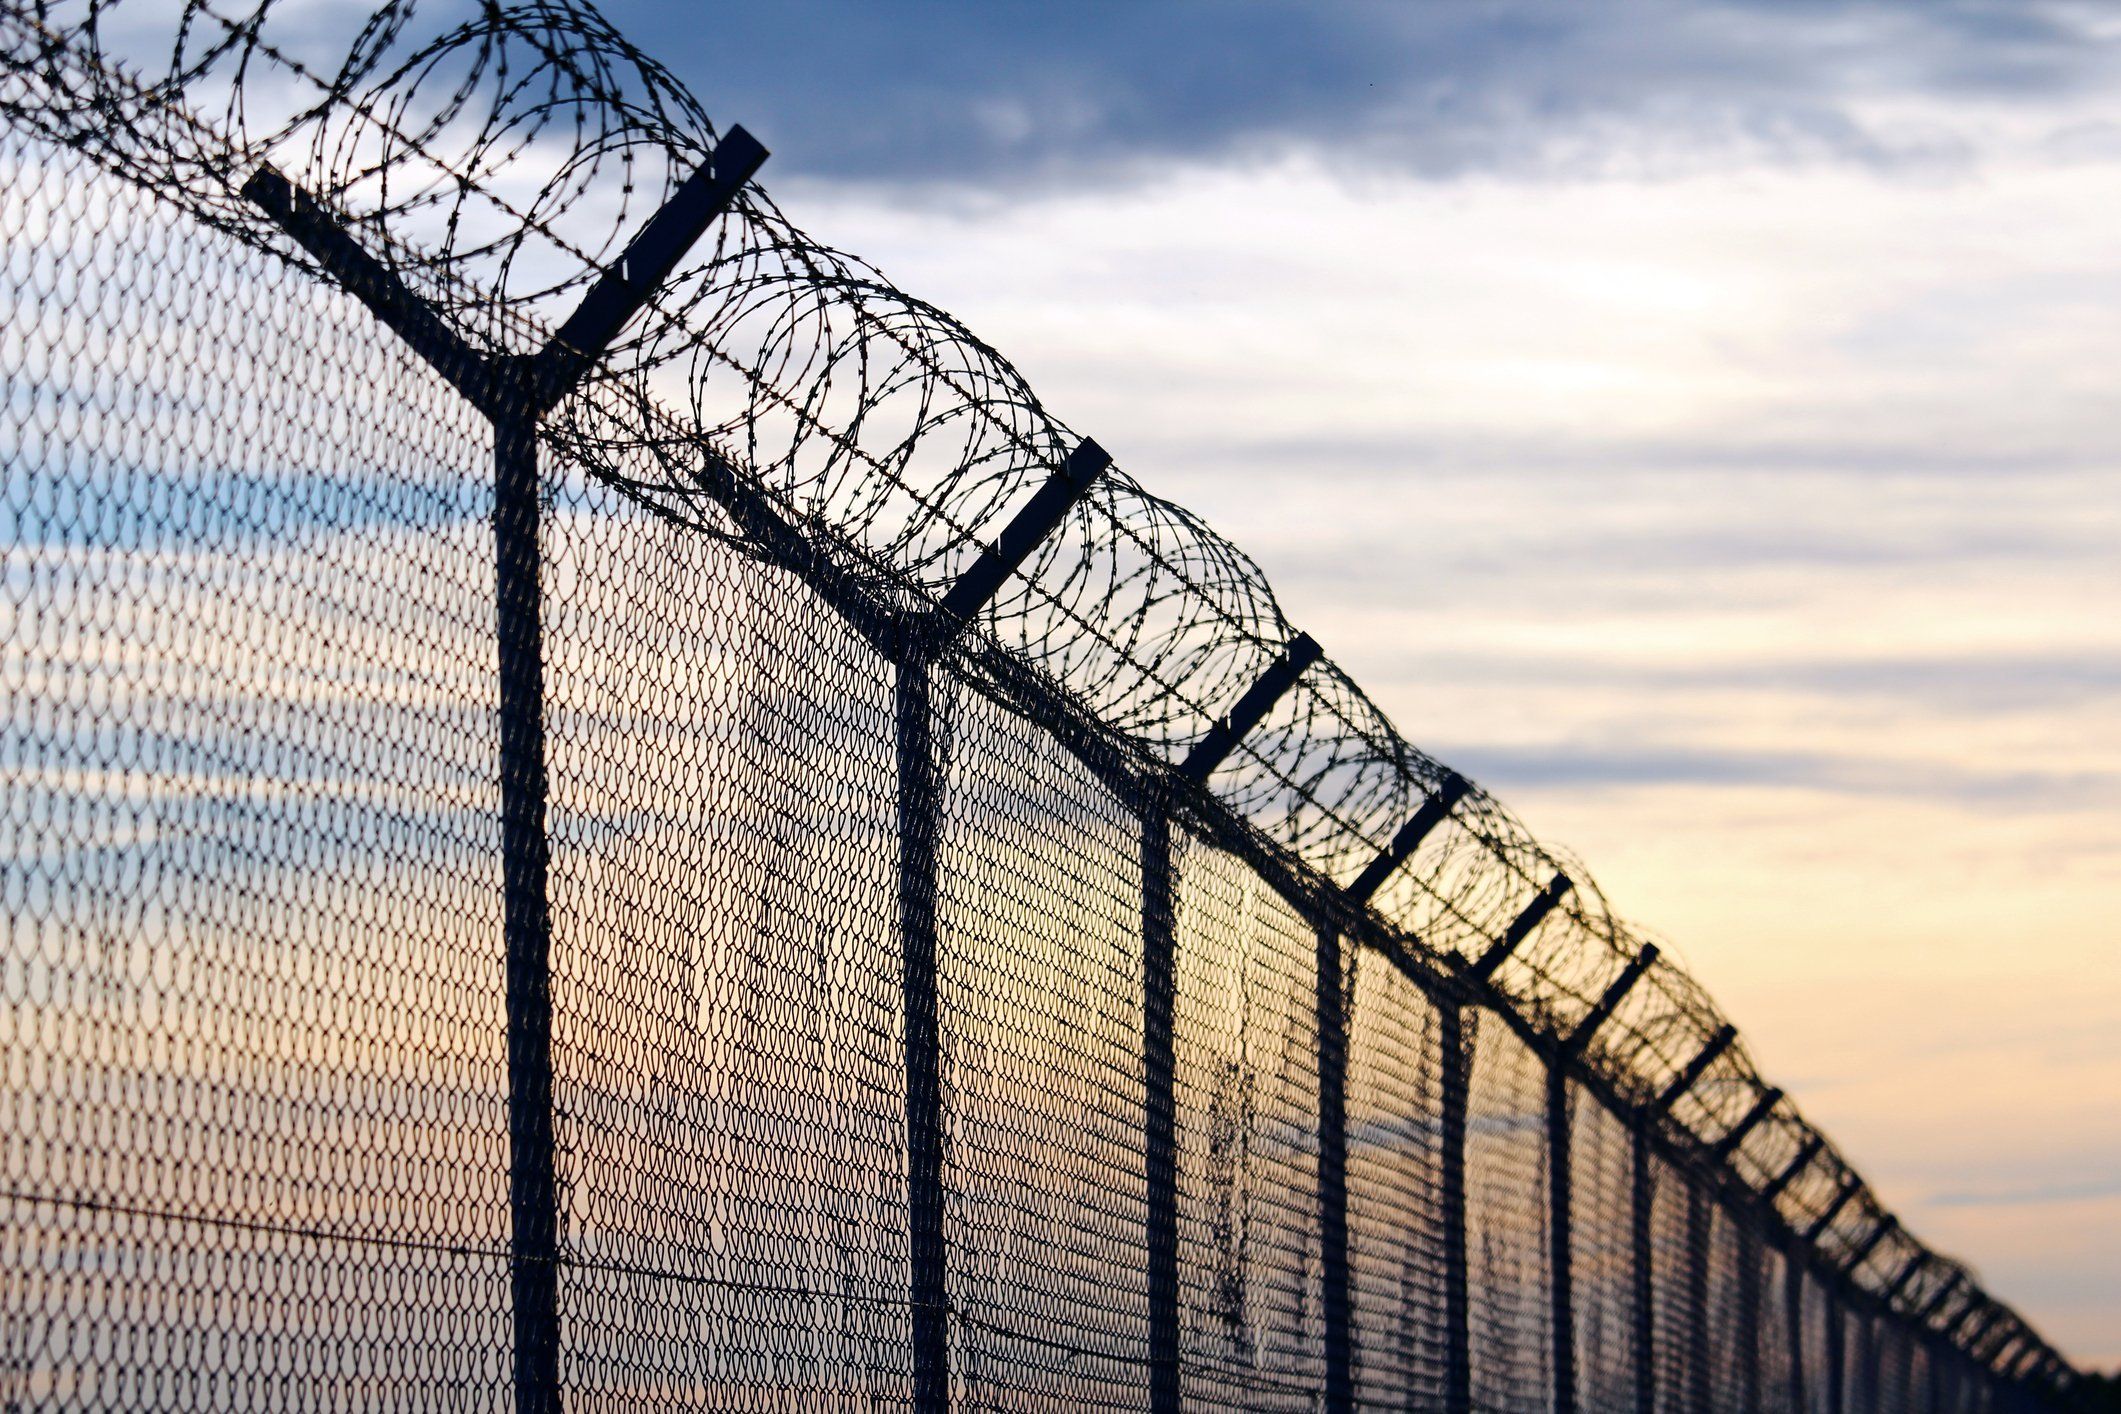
(2029, 1194)
(1575, 765)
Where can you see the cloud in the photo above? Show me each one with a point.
(1016, 92)
(1968, 685)
(1576, 765)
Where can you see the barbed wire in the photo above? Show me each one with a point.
(499, 163)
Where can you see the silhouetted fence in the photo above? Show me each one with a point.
(722, 856)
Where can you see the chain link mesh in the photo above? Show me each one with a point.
(608, 944)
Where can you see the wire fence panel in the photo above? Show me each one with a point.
(253, 1144)
(1506, 1221)
(1676, 1325)
(601, 811)
(1043, 1073)
(1823, 1322)
(1727, 1341)
(1247, 1140)
(1776, 1356)
(1602, 1230)
(1395, 1140)
(728, 1069)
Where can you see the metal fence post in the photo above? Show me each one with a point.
(1869, 1376)
(1836, 1341)
(533, 1197)
(1159, 1080)
(1642, 1200)
(1699, 1235)
(1793, 1297)
(1750, 1278)
(1458, 1365)
(1560, 1238)
(920, 802)
(1333, 1171)
(919, 819)
(514, 394)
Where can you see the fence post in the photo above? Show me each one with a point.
(514, 394)
(1458, 1366)
(526, 926)
(1699, 1236)
(1642, 1200)
(1561, 1246)
(919, 818)
(1793, 1297)
(1836, 1354)
(1333, 1170)
(1870, 1379)
(1222, 737)
(1159, 1079)
(1750, 1279)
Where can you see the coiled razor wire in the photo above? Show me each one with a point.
(498, 165)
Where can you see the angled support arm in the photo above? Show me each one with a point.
(1907, 1274)
(647, 262)
(1762, 1108)
(1886, 1227)
(1695, 1069)
(1986, 1334)
(1556, 890)
(1797, 1164)
(1434, 811)
(375, 284)
(1251, 709)
(1942, 1295)
(2007, 1349)
(1987, 1312)
(1039, 517)
(1849, 1185)
(1609, 1001)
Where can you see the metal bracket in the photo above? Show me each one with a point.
(1984, 1330)
(1999, 1357)
(1609, 1001)
(1795, 1166)
(646, 263)
(1762, 1107)
(1039, 518)
(1259, 699)
(1886, 1227)
(1695, 1069)
(376, 285)
(1434, 811)
(506, 387)
(1988, 1315)
(1942, 1294)
(1483, 967)
(1907, 1274)
(1849, 1187)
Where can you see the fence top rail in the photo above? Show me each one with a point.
(500, 165)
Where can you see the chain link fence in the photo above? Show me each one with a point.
(603, 811)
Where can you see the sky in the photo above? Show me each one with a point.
(1696, 423)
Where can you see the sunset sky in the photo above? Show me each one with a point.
(1696, 423)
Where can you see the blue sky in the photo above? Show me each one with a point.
(1695, 421)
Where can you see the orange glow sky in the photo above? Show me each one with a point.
(1732, 489)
